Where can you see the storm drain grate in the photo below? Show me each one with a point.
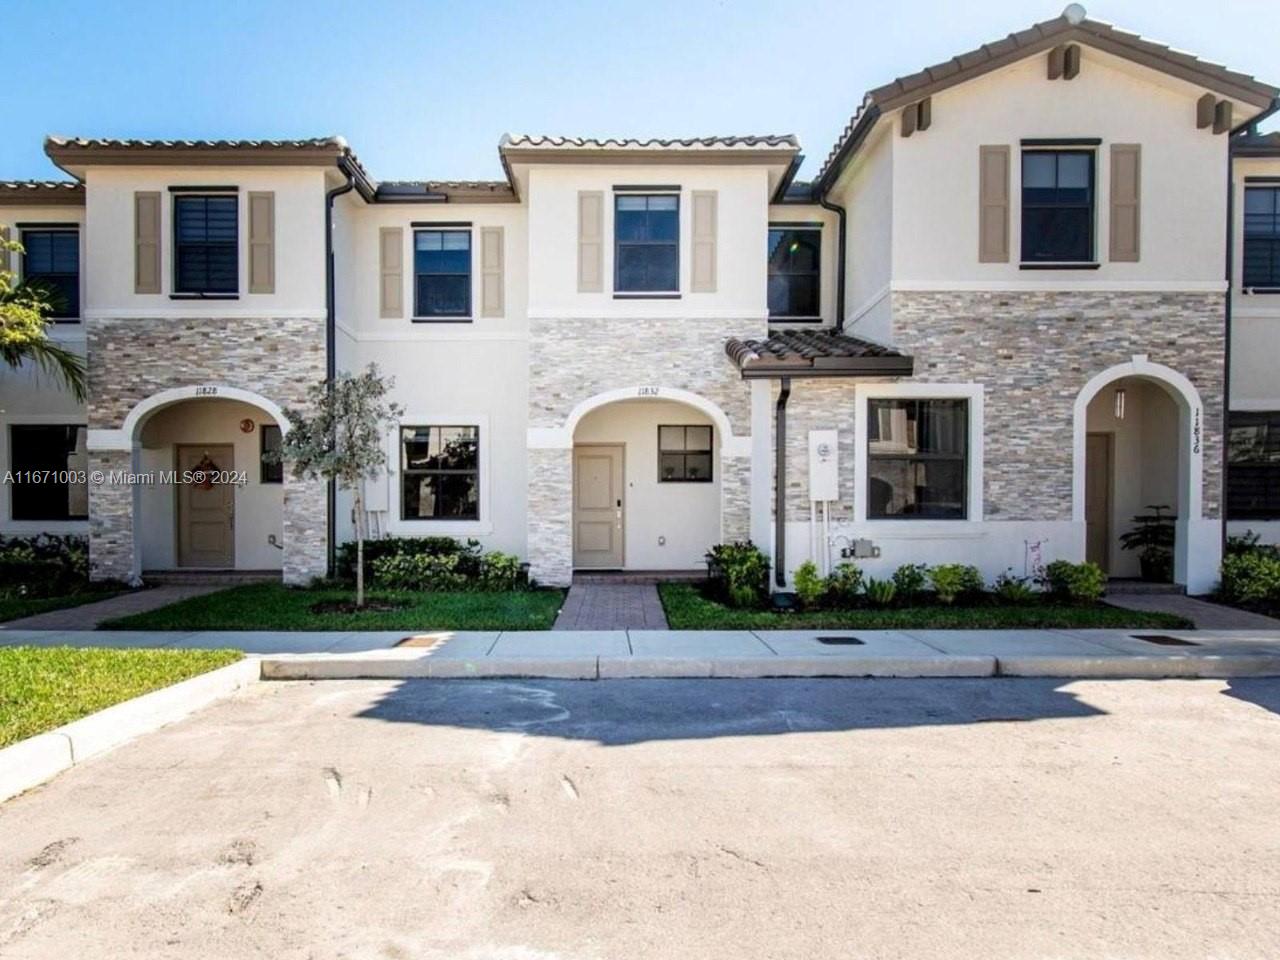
(1164, 640)
(841, 641)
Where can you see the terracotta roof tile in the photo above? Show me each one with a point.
(534, 141)
(815, 352)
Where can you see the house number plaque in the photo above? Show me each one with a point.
(648, 391)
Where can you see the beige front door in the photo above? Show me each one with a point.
(206, 512)
(1097, 499)
(597, 506)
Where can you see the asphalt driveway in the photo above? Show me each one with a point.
(694, 819)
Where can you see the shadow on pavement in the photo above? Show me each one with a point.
(1262, 691)
(620, 712)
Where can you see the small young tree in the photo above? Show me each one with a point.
(24, 322)
(340, 437)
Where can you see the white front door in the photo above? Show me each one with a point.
(597, 506)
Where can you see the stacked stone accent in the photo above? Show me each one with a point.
(1035, 351)
(735, 497)
(132, 359)
(572, 359)
(817, 404)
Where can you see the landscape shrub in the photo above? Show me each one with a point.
(844, 584)
(809, 584)
(468, 553)
(953, 580)
(1078, 582)
(909, 581)
(501, 571)
(434, 564)
(739, 573)
(1016, 591)
(419, 571)
(43, 565)
(880, 593)
(1251, 577)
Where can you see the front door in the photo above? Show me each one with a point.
(597, 506)
(206, 511)
(1097, 499)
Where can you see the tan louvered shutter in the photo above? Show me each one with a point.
(491, 271)
(146, 242)
(391, 272)
(262, 242)
(5, 259)
(590, 241)
(1126, 192)
(705, 212)
(993, 203)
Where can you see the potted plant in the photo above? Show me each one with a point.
(1153, 536)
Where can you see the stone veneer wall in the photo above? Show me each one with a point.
(573, 359)
(132, 359)
(816, 404)
(1035, 351)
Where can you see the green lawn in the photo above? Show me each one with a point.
(12, 608)
(271, 606)
(45, 687)
(688, 609)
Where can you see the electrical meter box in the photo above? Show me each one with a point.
(824, 465)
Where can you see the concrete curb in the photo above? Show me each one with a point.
(33, 761)
(1137, 667)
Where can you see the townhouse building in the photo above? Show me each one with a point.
(1027, 293)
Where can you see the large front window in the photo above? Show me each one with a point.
(48, 464)
(51, 261)
(794, 266)
(917, 459)
(1262, 237)
(442, 274)
(1057, 206)
(440, 473)
(646, 243)
(206, 245)
(1253, 471)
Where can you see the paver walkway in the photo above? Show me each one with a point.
(1205, 615)
(87, 616)
(612, 606)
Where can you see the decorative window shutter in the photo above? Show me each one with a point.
(1126, 194)
(491, 257)
(262, 242)
(391, 272)
(993, 204)
(705, 212)
(5, 259)
(590, 241)
(146, 242)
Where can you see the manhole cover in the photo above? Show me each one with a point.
(841, 641)
(1165, 641)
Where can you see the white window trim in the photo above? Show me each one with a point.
(864, 392)
(31, 528)
(411, 275)
(443, 528)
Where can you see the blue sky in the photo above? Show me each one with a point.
(425, 89)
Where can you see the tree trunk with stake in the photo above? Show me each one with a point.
(360, 535)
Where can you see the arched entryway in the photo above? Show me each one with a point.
(1138, 443)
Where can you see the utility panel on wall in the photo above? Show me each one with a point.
(824, 466)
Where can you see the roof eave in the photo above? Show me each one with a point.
(831, 367)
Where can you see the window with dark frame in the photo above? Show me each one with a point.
(795, 266)
(51, 261)
(442, 274)
(206, 246)
(646, 251)
(917, 459)
(1057, 206)
(270, 470)
(440, 473)
(684, 454)
(49, 463)
(1261, 237)
(1253, 458)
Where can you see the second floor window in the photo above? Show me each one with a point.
(646, 252)
(206, 245)
(442, 274)
(51, 261)
(1057, 206)
(794, 266)
(1253, 474)
(1262, 237)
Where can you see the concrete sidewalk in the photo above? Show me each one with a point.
(606, 654)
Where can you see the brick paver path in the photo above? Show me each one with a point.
(1205, 615)
(87, 616)
(612, 606)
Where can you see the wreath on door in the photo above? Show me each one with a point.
(204, 472)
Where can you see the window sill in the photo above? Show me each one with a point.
(441, 319)
(1059, 266)
(646, 296)
(204, 296)
(795, 319)
(1263, 291)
